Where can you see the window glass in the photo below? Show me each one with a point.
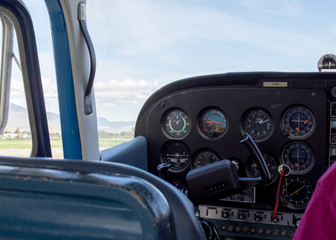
(143, 45)
(16, 139)
(42, 29)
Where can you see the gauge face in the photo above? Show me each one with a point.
(296, 192)
(298, 122)
(298, 156)
(272, 165)
(258, 124)
(177, 123)
(204, 158)
(177, 154)
(213, 123)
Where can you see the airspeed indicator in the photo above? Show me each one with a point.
(177, 123)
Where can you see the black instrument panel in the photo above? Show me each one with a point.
(180, 139)
(288, 118)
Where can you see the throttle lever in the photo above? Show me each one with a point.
(220, 179)
(260, 160)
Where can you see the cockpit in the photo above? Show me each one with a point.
(197, 122)
(234, 155)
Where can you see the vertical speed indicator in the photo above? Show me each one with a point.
(177, 123)
(298, 121)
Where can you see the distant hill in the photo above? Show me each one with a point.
(18, 118)
(115, 127)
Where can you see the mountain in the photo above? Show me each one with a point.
(103, 122)
(18, 118)
(115, 127)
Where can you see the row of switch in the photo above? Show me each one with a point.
(258, 216)
(250, 215)
(259, 231)
(332, 138)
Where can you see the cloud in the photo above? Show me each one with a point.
(281, 7)
(116, 92)
(49, 88)
(293, 6)
(164, 40)
(168, 30)
(110, 105)
(122, 99)
(18, 96)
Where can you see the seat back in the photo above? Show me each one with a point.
(41, 199)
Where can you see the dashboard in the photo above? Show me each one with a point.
(199, 121)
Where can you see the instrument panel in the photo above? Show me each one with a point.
(203, 123)
(202, 126)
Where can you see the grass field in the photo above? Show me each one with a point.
(22, 147)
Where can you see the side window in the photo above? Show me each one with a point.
(39, 14)
(15, 139)
(23, 119)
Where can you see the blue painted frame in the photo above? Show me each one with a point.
(65, 86)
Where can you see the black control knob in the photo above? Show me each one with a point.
(226, 214)
(241, 215)
(275, 220)
(258, 218)
(296, 221)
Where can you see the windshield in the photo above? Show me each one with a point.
(143, 45)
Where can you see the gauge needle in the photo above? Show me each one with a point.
(297, 191)
(298, 157)
(263, 121)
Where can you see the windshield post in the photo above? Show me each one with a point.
(6, 68)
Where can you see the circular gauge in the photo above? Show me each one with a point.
(177, 123)
(213, 123)
(272, 165)
(258, 124)
(298, 121)
(204, 158)
(177, 154)
(296, 192)
(298, 156)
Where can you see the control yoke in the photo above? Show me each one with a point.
(220, 179)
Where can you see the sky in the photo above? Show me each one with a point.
(141, 45)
